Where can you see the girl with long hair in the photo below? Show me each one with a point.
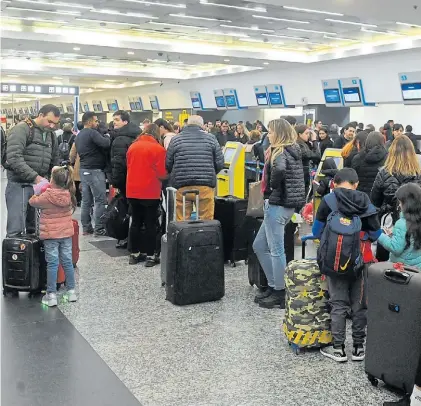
(404, 242)
(57, 202)
(283, 188)
(241, 133)
(401, 167)
(353, 148)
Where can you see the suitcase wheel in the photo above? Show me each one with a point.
(251, 283)
(296, 349)
(233, 264)
(374, 381)
(246, 261)
(14, 292)
(163, 284)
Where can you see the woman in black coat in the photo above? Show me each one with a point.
(368, 161)
(350, 150)
(324, 140)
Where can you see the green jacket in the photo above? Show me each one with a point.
(25, 163)
(396, 245)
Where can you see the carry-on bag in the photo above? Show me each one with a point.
(116, 218)
(23, 259)
(231, 213)
(393, 325)
(195, 259)
(256, 274)
(255, 196)
(307, 318)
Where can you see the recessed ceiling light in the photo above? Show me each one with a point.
(61, 12)
(409, 25)
(309, 10)
(258, 9)
(152, 3)
(283, 36)
(340, 38)
(200, 18)
(246, 28)
(229, 34)
(251, 40)
(332, 20)
(76, 49)
(380, 32)
(286, 20)
(57, 78)
(130, 53)
(178, 25)
(226, 60)
(265, 63)
(56, 4)
(312, 31)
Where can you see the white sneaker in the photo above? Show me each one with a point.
(71, 296)
(49, 299)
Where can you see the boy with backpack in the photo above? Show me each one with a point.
(345, 219)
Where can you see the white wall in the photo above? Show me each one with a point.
(381, 114)
(378, 72)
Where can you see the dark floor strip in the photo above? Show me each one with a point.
(45, 361)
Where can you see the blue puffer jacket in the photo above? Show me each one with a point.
(396, 245)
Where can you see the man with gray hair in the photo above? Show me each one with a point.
(194, 158)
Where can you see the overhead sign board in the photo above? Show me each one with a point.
(25, 88)
(219, 99)
(410, 87)
(154, 102)
(353, 92)
(231, 99)
(135, 104)
(196, 100)
(332, 93)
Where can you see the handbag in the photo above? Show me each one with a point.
(256, 199)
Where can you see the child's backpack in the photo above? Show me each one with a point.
(64, 148)
(340, 252)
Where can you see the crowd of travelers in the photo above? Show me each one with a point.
(380, 182)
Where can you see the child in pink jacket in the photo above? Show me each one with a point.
(56, 229)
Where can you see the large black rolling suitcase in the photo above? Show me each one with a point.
(23, 261)
(231, 213)
(393, 325)
(195, 260)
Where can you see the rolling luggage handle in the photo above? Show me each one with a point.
(37, 211)
(167, 220)
(402, 278)
(304, 240)
(186, 192)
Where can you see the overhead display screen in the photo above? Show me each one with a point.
(231, 102)
(262, 99)
(220, 101)
(196, 103)
(275, 99)
(411, 91)
(154, 105)
(352, 95)
(332, 96)
(112, 105)
(86, 107)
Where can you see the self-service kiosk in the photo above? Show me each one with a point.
(230, 181)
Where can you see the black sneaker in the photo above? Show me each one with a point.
(100, 233)
(276, 299)
(406, 401)
(136, 258)
(151, 261)
(358, 353)
(262, 294)
(336, 353)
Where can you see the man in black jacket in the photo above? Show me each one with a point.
(348, 135)
(414, 138)
(193, 159)
(92, 148)
(225, 135)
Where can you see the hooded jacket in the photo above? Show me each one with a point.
(350, 203)
(385, 187)
(329, 170)
(285, 179)
(123, 138)
(367, 165)
(308, 155)
(56, 213)
(396, 245)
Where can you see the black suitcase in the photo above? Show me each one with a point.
(256, 274)
(231, 213)
(195, 260)
(23, 261)
(393, 329)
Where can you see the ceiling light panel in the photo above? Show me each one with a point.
(286, 20)
(158, 4)
(55, 4)
(309, 10)
(117, 12)
(61, 12)
(200, 18)
(409, 25)
(332, 20)
(310, 31)
(177, 25)
(252, 9)
(246, 28)
(379, 32)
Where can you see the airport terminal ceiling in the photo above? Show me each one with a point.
(104, 44)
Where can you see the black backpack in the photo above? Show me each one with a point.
(116, 218)
(64, 148)
(339, 253)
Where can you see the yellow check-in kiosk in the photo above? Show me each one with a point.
(230, 181)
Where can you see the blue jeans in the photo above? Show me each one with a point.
(94, 192)
(59, 251)
(269, 244)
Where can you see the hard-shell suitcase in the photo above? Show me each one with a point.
(231, 213)
(307, 318)
(393, 328)
(23, 261)
(195, 260)
(256, 274)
